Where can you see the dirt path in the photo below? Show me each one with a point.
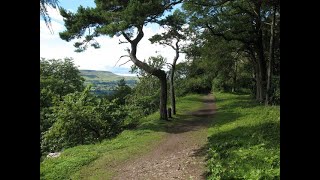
(180, 155)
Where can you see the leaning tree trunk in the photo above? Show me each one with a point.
(172, 93)
(151, 70)
(271, 55)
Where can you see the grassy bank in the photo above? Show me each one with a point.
(99, 160)
(244, 139)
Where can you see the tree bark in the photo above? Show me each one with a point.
(172, 93)
(173, 99)
(271, 56)
(151, 70)
(258, 83)
(234, 77)
(261, 59)
(256, 72)
(261, 71)
(163, 96)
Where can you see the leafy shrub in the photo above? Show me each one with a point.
(57, 79)
(82, 118)
(221, 84)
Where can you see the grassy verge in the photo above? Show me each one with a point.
(244, 139)
(98, 161)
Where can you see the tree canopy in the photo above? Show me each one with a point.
(111, 18)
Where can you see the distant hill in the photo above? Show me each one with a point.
(92, 75)
(105, 81)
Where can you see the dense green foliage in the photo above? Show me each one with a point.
(82, 118)
(235, 38)
(57, 79)
(61, 77)
(244, 140)
(219, 64)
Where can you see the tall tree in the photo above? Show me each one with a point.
(271, 50)
(172, 38)
(117, 17)
(60, 76)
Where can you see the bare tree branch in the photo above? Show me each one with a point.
(125, 62)
(172, 4)
(168, 44)
(122, 42)
(120, 58)
(252, 7)
(169, 64)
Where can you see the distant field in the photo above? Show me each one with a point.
(104, 82)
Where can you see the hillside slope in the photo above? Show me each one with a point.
(105, 81)
(93, 75)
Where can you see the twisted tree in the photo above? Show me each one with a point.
(172, 38)
(116, 18)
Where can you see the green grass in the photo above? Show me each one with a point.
(98, 161)
(244, 139)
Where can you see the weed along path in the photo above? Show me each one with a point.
(180, 155)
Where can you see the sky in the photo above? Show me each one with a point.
(104, 58)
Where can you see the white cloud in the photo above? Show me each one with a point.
(45, 33)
